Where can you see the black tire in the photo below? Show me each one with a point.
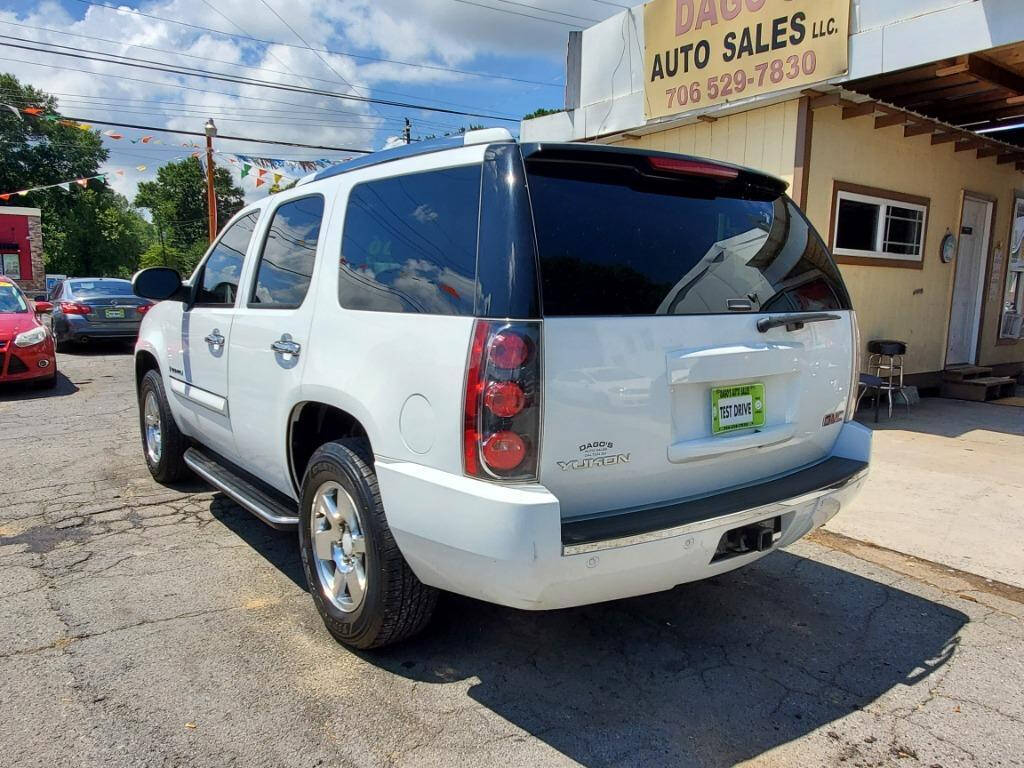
(396, 605)
(171, 466)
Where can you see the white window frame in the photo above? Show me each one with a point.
(883, 203)
(16, 275)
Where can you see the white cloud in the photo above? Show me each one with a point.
(441, 33)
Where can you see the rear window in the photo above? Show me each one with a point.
(87, 289)
(614, 242)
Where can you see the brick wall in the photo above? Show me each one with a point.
(37, 282)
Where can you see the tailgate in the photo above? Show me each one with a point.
(660, 383)
(628, 414)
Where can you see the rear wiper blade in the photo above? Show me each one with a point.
(793, 322)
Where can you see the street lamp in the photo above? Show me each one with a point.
(211, 195)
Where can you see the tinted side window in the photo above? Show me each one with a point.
(410, 243)
(286, 263)
(218, 283)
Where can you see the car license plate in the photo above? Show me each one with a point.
(114, 314)
(735, 408)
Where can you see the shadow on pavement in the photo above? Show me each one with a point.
(945, 417)
(707, 674)
(14, 391)
(279, 548)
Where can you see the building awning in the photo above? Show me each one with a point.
(975, 99)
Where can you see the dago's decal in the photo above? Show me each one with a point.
(595, 454)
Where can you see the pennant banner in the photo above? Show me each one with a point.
(65, 185)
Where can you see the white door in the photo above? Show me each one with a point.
(269, 336)
(969, 282)
(200, 379)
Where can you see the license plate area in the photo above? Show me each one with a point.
(115, 313)
(737, 407)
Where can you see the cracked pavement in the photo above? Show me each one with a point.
(148, 626)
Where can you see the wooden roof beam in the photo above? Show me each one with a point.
(968, 144)
(918, 129)
(983, 69)
(827, 100)
(1009, 157)
(945, 138)
(958, 67)
(989, 151)
(893, 117)
(859, 110)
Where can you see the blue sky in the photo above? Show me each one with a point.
(443, 34)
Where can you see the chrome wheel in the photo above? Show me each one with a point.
(154, 435)
(338, 546)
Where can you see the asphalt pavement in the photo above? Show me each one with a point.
(150, 626)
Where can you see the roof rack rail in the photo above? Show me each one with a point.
(482, 136)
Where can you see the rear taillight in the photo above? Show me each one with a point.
(143, 308)
(501, 417)
(851, 404)
(74, 308)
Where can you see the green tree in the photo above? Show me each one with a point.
(100, 234)
(177, 202)
(541, 112)
(94, 231)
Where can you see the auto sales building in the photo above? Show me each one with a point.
(892, 120)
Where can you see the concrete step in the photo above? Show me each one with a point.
(962, 372)
(979, 389)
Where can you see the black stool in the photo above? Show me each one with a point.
(886, 365)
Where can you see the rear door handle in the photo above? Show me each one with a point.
(286, 346)
(793, 322)
(215, 339)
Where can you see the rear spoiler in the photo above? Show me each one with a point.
(653, 163)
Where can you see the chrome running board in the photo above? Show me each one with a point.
(259, 502)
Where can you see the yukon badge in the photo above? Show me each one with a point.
(596, 454)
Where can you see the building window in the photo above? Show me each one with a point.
(11, 266)
(874, 226)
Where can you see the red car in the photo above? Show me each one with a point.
(26, 345)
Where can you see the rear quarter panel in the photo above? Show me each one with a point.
(401, 375)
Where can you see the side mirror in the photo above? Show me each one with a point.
(158, 284)
(44, 307)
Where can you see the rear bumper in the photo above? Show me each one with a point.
(508, 545)
(77, 327)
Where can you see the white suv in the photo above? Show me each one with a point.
(540, 375)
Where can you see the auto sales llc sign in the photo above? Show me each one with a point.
(699, 53)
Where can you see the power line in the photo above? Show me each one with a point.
(547, 10)
(117, 103)
(321, 50)
(177, 86)
(270, 53)
(219, 136)
(303, 41)
(127, 44)
(513, 13)
(157, 66)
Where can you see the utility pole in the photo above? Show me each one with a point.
(407, 131)
(211, 194)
